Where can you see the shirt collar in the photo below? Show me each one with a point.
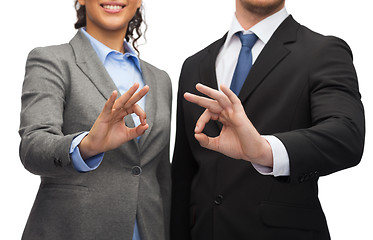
(263, 30)
(103, 51)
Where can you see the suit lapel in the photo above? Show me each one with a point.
(272, 54)
(207, 65)
(150, 102)
(89, 63)
(208, 70)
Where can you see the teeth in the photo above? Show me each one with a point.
(112, 7)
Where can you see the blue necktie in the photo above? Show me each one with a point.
(244, 63)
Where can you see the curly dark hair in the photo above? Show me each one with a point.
(134, 31)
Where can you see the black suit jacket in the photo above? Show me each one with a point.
(303, 89)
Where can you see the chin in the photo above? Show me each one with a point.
(262, 7)
(116, 28)
(113, 26)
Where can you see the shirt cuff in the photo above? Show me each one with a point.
(79, 164)
(281, 163)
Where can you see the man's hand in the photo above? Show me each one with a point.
(238, 139)
(109, 130)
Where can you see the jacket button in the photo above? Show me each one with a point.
(136, 170)
(58, 162)
(302, 179)
(307, 177)
(218, 200)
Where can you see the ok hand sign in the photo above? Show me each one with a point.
(109, 130)
(238, 138)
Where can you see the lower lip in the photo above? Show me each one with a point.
(112, 10)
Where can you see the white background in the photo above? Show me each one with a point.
(177, 29)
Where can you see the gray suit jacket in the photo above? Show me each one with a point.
(64, 91)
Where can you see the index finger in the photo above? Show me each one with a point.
(119, 103)
(135, 98)
(215, 94)
(210, 104)
(139, 112)
(204, 119)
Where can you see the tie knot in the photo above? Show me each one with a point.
(247, 40)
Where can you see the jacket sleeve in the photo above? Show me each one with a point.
(44, 149)
(335, 140)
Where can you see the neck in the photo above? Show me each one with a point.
(248, 18)
(111, 39)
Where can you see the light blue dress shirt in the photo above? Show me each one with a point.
(124, 70)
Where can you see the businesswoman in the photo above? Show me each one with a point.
(95, 125)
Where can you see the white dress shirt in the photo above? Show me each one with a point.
(226, 63)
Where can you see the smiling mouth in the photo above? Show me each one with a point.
(112, 7)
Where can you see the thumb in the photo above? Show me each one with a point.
(140, 130)
(202, 139)
(137, 131)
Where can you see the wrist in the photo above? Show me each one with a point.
(263, 155)
(267, 155)
(85, 148)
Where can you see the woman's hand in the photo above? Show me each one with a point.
(238, 138)
(109, 130)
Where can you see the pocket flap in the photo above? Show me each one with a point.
(292, 216)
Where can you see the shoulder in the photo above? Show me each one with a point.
(320, 42)
(56, 55)
(159, 79)
(290, 31)
(209, 50)
(308, 45)
(145, 66)
(51, 51)
(161, 76)
(49, 64)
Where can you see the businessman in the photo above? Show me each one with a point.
(262, 113)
